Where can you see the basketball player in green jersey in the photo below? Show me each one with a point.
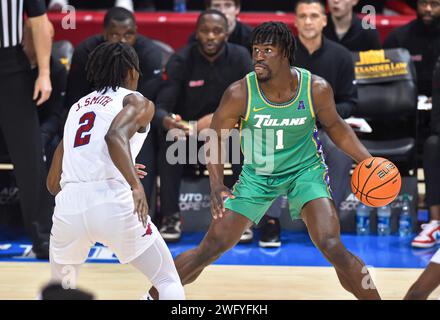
(278, 106)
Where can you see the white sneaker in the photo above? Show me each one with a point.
(429, 236)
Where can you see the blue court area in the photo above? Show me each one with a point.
(297, 250)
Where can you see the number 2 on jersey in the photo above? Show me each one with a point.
(86, 121)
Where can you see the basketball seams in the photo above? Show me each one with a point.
(366, 181)
(363, 189)
(353, 188)
(377, 198)
(377, 187)
(372, 172)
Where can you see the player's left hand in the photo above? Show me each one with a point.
(141, 173)
(42, 89)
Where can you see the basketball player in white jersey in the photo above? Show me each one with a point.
(99, 197)
(428, 281)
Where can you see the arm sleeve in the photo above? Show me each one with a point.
(150, 63)
(346, 92)
(171, 90)
(345, 109)
(77, 84)
(34, 8)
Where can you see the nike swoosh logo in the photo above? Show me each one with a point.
(368, 166)
(258, 109)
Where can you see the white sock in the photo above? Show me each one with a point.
(65, 274)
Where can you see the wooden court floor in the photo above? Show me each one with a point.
(114, 281)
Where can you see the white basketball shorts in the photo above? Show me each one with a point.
(436, 257)
(86, 213)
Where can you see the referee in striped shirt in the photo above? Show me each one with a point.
(19, 100)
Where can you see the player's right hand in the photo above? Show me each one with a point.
(140, 204)
(218, 195)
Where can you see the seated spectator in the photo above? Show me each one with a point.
(120, 26)
(430, 234)
(345, 28)
(197, 76)
(50, 112)
(334, 63)
(239, 33)
(422, 39)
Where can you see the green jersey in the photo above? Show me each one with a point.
(280, 138)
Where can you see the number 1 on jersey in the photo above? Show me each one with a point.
(86, 121)
(280, 137)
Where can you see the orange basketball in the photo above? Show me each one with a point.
(376, 182)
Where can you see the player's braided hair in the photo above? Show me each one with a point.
(109, 64)
(278, 34)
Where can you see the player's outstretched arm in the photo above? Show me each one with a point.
(338, 130)
(135, 116)
(56, 168)
(232, 107)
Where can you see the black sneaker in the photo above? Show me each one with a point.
(170, 229)
(41, 250)
(247, 236)
(270, 234)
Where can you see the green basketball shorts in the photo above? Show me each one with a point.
(254, 193)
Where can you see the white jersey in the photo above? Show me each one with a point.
(86, 156)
